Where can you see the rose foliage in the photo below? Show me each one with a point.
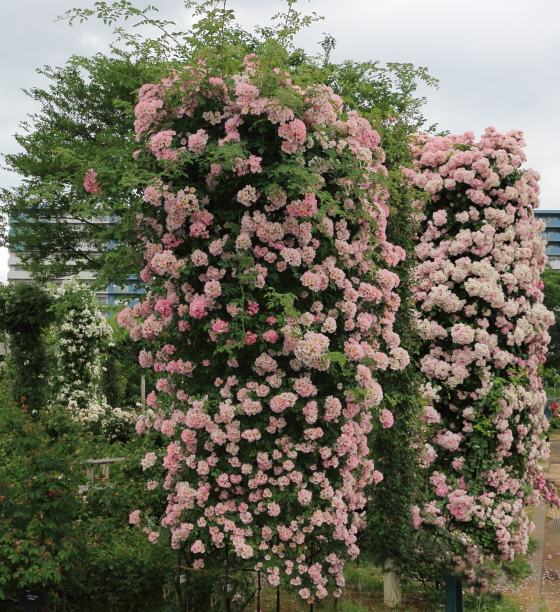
(484, 325)
(270, 309)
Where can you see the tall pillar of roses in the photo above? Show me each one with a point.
(481, 315)
(270, 309)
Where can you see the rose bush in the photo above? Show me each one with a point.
(270, 309)
(481, 315)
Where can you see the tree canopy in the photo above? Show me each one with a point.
(551, 280)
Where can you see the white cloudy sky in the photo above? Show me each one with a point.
(497, 60)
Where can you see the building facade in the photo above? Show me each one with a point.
(551, 235)
(110, 296)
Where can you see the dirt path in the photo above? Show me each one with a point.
(551, 564)
(543, 585)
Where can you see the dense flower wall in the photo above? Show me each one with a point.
(481, 315)
(270, 309)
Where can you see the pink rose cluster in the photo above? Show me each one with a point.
(481, 314)
(91, 184)
(258, 292)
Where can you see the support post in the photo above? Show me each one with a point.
(143, 392)
(259, 591)
(453, 594)
(392, 590)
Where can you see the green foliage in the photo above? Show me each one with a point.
(39, 543)
(489, 602)
(122, 374)
(24, 316)
(113, 382)
(551, 280)
(382, 91)
(85, 120)
(517, 570)
(389, 532)
(347, 606)
(78, 549)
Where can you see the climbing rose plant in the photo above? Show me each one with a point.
(481, 314)
(79, 335)
(270, 309)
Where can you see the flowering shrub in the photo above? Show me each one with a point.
(484, 325)
(79, 335)
(271, 308)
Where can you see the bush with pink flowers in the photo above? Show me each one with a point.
(270, 310)
(484, 325)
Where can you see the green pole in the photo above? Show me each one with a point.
(453, 594)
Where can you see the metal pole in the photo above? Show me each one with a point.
(449, 593)
(459, 594)
(143, 392)
(259, 591)
(453, 594)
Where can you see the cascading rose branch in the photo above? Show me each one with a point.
(264, 187)
(481, 314)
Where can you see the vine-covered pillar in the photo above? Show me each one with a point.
(484, 326)
(25, 315)
(271, 312)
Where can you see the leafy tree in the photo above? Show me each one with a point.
(85, 120)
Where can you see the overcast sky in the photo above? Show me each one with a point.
(496, 60)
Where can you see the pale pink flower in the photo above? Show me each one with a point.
(197, 142)
(386, 418)
(90, 182)
(198, 547)
(149, 460)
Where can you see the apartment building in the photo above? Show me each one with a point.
(551, 235)
(111, 295)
